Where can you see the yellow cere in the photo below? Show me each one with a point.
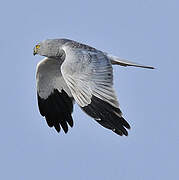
(37, 46)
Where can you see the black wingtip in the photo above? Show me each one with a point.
(57, 127)
(118, 132)
(107, 115)
(57, 109)
(125, 123)
(70, 121)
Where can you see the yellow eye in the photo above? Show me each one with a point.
(37, 46)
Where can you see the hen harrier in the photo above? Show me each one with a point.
(74, 72)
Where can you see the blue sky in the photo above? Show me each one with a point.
(141, 31)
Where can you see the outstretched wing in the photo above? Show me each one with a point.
(54, 97)
(88, 74)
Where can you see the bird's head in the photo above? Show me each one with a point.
(48, 48)
(36, 49)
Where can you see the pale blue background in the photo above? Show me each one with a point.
(145, 31)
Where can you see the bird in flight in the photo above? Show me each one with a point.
(74, 72)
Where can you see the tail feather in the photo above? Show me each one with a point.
(122, 62)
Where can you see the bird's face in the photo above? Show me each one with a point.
(46, 48)
(36, 49)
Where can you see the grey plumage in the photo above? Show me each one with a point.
(76, 72)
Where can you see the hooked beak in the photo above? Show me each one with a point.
(35, 51)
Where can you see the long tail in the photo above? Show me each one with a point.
(122, 62)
